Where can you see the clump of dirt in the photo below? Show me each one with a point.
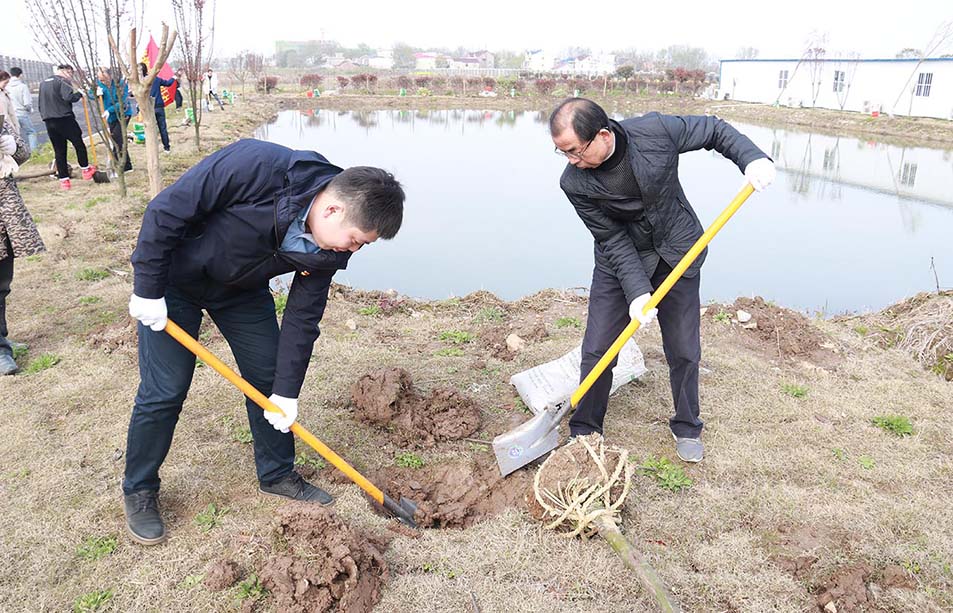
(895, 576)
(494, 339)
(389, 399)
(777, 332)
(456, 495)
(221, 575)
(118, 338)
(323, 564)
(847, 589)
(797, 549)
(574, 468)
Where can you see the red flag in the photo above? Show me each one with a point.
(152, 53)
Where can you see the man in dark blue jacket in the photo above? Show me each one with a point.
(622, 179)
(156, 93)
(213, 240)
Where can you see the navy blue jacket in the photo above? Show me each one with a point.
(224, 220)
(156, 92)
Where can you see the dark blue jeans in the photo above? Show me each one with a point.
(163, 128)
(246, 318)
(679, 319)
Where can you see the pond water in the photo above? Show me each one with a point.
(849, 225)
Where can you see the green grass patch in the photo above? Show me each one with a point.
(90, 299)
(866, 462)
(36, 257)
(250, 588)
(47, 360)
(898, 425)
(211, 517)
(303, 459)
(20, 351)
(490, 314)
(92, 274)
(409, 460)
(722, 316)
(862, 330)
(191, 581)
(450, 352)
(281, 302)
(568, 322)
(667, 475)
(370, 311)
(457, 337)
(242, 435)
(793, 390)
(95, 547)
(839, 453)
(87, 603)
(94, 201)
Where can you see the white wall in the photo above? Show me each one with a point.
(874, 85)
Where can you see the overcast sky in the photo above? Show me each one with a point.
(874, 28)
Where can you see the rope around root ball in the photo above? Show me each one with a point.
(579, 503)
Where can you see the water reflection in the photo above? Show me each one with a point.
(850, 224)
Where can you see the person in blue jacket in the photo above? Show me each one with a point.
(156, 92)
(116, 105)
(213, 240)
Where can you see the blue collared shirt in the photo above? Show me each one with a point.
(297, 239)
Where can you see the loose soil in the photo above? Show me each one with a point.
(456, 494)
(221, 575)
(320, 563)
(388, 399)
(847, 589)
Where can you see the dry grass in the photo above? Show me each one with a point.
(775, 463)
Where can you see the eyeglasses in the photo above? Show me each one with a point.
(578, 154)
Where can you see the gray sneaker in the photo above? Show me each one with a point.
(294, 487)
(8, 366)
(142, 517)
(689, 449)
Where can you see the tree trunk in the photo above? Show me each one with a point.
(646, 575)
(147, 109)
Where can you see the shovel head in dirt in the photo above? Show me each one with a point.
(531, 440)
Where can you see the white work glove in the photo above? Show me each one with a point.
(151, 312)
(8, 144)
(290, 408)
(635, 310)
(105, 114)
(760, 173)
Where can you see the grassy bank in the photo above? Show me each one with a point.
(830, 456)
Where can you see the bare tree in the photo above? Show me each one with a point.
(942, 38)
(256, 65)
(849, 66)
(141, 87)
(196, 41)
(238, 68)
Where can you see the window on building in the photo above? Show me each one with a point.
(908, 174)
(839, 80)
(830, 159)
(782, 79)
(924, 82)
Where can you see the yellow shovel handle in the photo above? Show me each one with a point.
(206, 356)
(659, 293)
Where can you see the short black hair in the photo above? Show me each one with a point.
(16, 71)
(143, 69)
(584, 116)
(374, 199)
(64, 67)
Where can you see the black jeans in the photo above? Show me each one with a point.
(61, 130)
(247, 320)
(679, 319)
(115, 130)
(6, 278)
(163, 129)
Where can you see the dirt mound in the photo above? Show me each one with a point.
(119, 338)
(221, 575)
(798, 547)
(323, 564)
(847, 589)
(388, 398)
(775, 331)
(456, 495)
(494, 339)
(895, 576)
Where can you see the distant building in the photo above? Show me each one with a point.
(384, 59)
(587, 65)
(463, 63)
(864, 85)
(426, 61)
(485, 58)
(539, 60)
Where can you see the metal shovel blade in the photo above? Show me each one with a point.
(529, 441)
(404, 509)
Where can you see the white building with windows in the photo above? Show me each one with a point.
(897, 86)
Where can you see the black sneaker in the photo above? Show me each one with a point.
(142, 517)
(294, 487)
